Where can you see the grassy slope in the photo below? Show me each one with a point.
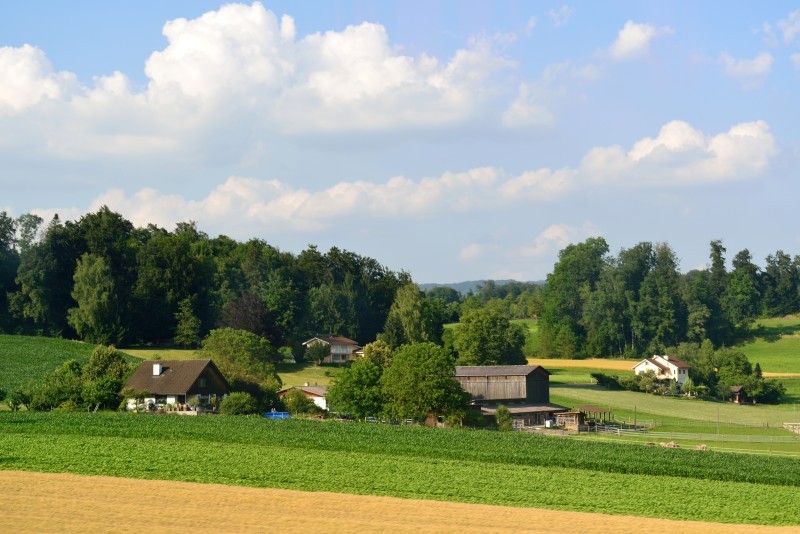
(513, 469)
(775, 345)
(684, 408)
(25, 359)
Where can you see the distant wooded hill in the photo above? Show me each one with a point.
(465, 287)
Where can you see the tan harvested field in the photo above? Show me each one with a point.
(591, 363)
(39, 502)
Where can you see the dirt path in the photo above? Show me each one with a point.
(39, 502)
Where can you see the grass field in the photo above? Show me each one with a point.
(438, 464)
(25, 359)
(297, 374)
(159, 353)
(775, 345)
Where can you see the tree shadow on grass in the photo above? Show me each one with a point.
(770, 334)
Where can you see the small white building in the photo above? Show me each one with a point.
(665, 367)
(316, 393)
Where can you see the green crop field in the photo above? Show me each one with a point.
(26, 359)
(775, 345)
(441, 464)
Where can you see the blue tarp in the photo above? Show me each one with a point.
(277, 415)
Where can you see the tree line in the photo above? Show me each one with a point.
(638, 303)
(105, 281)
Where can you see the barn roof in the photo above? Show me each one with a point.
(497, 370)
(176, 377)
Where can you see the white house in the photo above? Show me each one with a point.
(342, 348)
(315, 393)
(665, 368)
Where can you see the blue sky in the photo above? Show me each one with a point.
(454, 140)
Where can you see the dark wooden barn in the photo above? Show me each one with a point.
(523, 389)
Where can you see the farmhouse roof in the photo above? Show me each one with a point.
(497, 370)
(652, 361)
(177, 376)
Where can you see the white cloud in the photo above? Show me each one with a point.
(561, 15)
(750, 71)
(556, 237)
(242, 75)
(790, 26)
(795, 61)
(682, 155)
(633, 40)
(28, 78)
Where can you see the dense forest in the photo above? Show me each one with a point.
(638, 302)
(103, 280)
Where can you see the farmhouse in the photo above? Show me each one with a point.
(523, 389)
(342, 348)
(315, 393)
(178, 382)
(665, 368)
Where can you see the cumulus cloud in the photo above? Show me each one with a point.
(273, 204)
(556, 237)
(28, 78)
(633, 40)
(243, 71)
(682, 155)
(749, 71)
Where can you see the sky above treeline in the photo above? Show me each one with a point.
(454, 140)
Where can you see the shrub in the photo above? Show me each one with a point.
(504, 420)
(238, 403)
(607, 381)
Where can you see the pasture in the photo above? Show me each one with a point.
(435, 464)
(775, 345)
(26, 359)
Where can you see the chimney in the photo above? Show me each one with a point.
(157, 368)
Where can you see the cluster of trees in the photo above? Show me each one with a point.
(513, 300)
(73, 386)
(103, 280)
(413, 381)
(713, 373)
(638, 302)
